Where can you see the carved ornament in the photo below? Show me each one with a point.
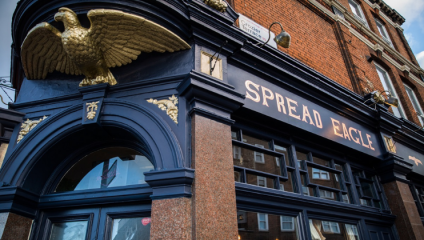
(27, 126)
(219, 5)
(91, 110)
(114, 39)
(168, 105)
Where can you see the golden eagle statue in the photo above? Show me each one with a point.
(115, 38)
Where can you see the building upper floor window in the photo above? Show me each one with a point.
(388, 86)
(383, 31)
(415, 104)
(357, 11)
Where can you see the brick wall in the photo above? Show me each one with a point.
(313, 38)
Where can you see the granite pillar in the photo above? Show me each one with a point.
(214, 200)
(14, 227)
(171, 219)
(401, 202)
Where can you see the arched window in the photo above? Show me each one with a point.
(105, 168)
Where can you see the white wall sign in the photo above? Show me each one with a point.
(256, 30)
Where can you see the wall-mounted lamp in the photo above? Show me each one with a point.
(282, 39)
(379, 98)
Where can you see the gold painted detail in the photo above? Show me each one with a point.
(416, 160)
(219, 5)
(114, 39)
(27, 126)
(390, 145)
(168, 105)
(91, 110)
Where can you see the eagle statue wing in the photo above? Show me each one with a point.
(122, 36)
(42, 52)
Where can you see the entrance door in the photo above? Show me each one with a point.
(108, 223)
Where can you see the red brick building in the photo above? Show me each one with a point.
(229, 138)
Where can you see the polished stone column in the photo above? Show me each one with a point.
(401, 202)
(171, 219)
(14, 227)
(214, 200)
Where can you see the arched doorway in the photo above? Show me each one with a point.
(97, 191)
(100, 172)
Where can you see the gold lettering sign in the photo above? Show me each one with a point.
(416, 160)
(302, 112)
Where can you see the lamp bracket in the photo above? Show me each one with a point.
(216, 60)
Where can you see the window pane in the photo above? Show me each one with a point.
(346, 198)
(321, 161)
(385, 81)
(323, 178)
(332, 230)
(287, 185)
(277, 227)
(257, 161)
(254, 141)
(415, 104)
(108, 167)
(69, 231)
(131, 228)
(367, 189)
(234, 135)
(283, 150)
(365, 202)
(328, 195)
(301, 155)
(260, 181)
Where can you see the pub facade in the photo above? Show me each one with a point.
(209, 133)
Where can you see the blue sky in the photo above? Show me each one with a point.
(412, 10)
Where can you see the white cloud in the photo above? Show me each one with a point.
(420, 58)
(410, 38)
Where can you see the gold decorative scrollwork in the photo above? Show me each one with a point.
(91, 110)
(27, 126)
(219, 5)
(168, 105)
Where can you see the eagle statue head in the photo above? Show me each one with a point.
(67, 16)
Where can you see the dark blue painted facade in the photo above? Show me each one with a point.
(33, 167)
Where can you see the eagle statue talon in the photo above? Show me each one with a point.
(91, 52)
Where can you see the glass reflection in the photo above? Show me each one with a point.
(253, 225)
(109, 167)
(247, 158)
(321, 230)
(131, 228)
(69, 231)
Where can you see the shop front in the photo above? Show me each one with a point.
(257, 146)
